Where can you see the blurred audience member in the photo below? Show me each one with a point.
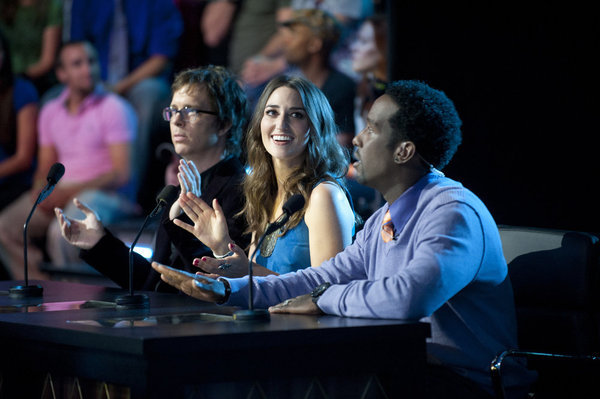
(18, 117)
(309, 37)
(33, 29)
(255, 37)
(349, 14)
(207, 26)
(216, 26)
(369, 59)
(137, 41)
(89, 131)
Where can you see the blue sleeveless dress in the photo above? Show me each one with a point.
(291, 251)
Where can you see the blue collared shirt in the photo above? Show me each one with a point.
(403, 208)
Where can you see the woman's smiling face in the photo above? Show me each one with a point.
(285, 127)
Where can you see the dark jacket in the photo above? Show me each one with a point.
(173, 245)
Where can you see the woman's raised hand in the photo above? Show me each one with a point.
(209, 224)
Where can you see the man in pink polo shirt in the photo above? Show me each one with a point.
(89, 131)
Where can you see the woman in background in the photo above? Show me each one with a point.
(369, 59)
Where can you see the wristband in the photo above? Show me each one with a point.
(227, 291)
(318, 291)
(222, 256)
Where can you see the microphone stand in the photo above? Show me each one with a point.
(141, 301)
(252, 314)
(131, 300)
(56, 171)
(291, 206)
(26, 291)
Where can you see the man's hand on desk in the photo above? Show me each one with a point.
(208, 288)
(201, 286)
(302, 304)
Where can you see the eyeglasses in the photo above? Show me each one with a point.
(187, 113)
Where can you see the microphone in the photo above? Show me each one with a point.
(141, 301)
(291, 206)
(21, 291)
(54, 174)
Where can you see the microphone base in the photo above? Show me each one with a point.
(252, 315)
(137, 301)
(25, 291)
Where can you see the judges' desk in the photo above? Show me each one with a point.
(182, 347)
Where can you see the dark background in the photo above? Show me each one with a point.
(523, 81)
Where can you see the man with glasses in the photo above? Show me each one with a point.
(89, 131)
(206, 117)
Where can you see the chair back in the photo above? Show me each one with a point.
(556, 281)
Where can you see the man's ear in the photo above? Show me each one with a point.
(404, 151)
(225, 129)
(60, 75)
(315, 45)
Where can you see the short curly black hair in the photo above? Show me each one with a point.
(428, 118)
(226, 95)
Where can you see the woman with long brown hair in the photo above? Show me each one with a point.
(291, 149)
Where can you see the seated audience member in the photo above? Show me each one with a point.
(309, 37)
(18, 118)
(256, 37)
(432, 252)
(216, 26)
(369, 59)
(271, 61)
(349, 13)
(33, 28)
(137, 41)
(292, 149)
(89, 131)
(207, 115)
(205, 34)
